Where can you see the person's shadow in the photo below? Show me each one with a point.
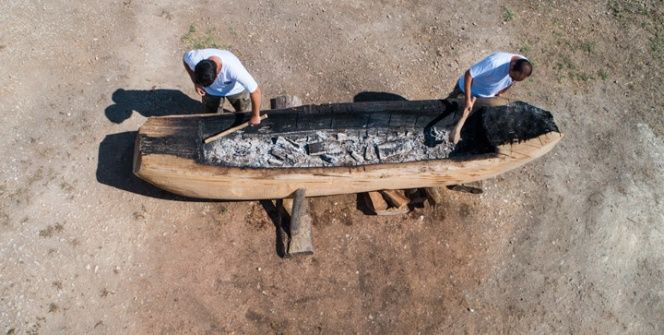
(155, 102)
(114, 168)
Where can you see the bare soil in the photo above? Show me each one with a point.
(572, 243)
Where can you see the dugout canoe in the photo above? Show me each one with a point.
(169, 150)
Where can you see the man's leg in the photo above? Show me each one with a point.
(211, 103)
(241, 102)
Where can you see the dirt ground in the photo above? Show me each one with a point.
(572, 243)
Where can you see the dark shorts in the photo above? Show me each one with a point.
(241, 102)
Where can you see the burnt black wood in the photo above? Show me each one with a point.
(186, 142)
(482, 132)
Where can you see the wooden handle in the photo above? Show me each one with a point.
(230, 131)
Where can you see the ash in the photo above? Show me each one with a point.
(328, 148)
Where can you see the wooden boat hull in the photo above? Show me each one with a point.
(183, 174)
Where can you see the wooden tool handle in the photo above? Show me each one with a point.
(230, 130)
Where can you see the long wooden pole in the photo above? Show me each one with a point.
(230, 131)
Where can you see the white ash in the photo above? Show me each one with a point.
(328, 148)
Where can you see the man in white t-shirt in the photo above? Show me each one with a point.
(489, 78)
(218, 75)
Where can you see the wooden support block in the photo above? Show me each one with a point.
(300, 226)
(395, 198)
(285, 101)
(434, 195)
(376, 203)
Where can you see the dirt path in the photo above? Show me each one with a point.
(571, 243)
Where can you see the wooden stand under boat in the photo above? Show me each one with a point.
(168, 151)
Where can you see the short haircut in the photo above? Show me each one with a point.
(524, 67)
(205, 72)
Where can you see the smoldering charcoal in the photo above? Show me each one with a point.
(328, 148)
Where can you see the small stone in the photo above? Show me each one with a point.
(356, 157)
(278, 153)
(391, 149)
(370, 153)
(274, 161)
(330, 159)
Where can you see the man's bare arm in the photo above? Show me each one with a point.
(469, 101)
(468, 83)
(198, 88)
(255, 106)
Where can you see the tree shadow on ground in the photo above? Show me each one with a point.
(114, 168)
(155, 102)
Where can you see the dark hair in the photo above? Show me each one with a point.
(524, 67)
(205, 72)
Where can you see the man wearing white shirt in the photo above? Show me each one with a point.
(489, 78)
(218, 75)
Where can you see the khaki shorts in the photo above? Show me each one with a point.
(241, 102)
(459, 96)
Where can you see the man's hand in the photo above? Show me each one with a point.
(255, 97)
(455, 136)
(469, 105)
(255, 120)
(199, 89)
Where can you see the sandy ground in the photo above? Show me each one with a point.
(572, 243)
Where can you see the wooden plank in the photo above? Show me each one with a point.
(375, 202)
(395, 198)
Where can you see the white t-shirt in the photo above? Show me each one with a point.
(233, 77)
(491, 75)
